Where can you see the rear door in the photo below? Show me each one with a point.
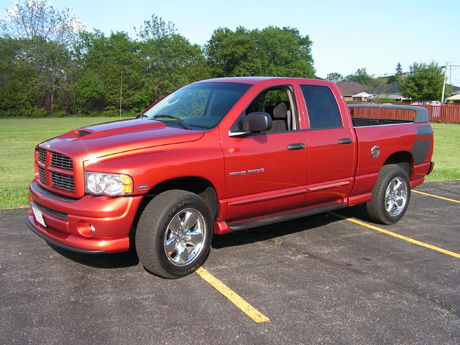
(331, 147)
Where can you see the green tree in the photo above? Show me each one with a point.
(232, 54)
(120, 73)
(89, 92)
(168, 60)
(395, 78)
(334, 76)
(362, 77)
(40, 37)
(284, 52)
(424, 82)
(109, 70)
(14, 81)
(271, 52)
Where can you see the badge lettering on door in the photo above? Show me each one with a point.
(249, 172)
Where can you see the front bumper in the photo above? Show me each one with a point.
(87, 225)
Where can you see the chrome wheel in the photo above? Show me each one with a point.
(396, 196)
(174, 234)
(184, 236)
(390, 195)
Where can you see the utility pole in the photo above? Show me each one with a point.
(444, 85)
(121, 90)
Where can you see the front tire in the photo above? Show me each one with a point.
(390, 196)
(174, 234)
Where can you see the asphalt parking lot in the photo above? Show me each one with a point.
(327, 279)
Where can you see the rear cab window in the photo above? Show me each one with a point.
(323, 112)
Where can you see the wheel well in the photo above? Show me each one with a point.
(403, 159)
(195, 185)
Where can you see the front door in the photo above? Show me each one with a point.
(266, 172)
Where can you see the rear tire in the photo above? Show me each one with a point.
(174, 234)
(390, 196)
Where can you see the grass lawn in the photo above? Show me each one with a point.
(446, 152)
(18, 138)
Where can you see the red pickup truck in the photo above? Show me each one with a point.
(217, 156)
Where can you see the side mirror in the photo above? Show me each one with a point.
(254, 123)
(257, 122)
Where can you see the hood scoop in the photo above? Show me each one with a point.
(82, 132)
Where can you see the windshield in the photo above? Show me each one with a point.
(200, 105)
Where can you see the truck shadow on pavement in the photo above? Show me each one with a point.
(270, 232)
(108, 261)
(238, 238)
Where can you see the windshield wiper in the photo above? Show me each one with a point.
(178, 119)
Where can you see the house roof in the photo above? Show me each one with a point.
(362, 94)
(350, 88)
(387, 89)
(454, 97)
(455, 89)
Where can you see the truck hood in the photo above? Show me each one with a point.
(116, 137)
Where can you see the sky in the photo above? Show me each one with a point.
(346, 35)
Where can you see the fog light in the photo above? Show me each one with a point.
(85, 229)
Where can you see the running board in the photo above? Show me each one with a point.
(282, 217)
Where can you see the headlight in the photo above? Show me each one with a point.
(108, 184)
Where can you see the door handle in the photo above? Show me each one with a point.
(293, 147)
(345, 141)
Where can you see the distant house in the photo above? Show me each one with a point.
(362, 96)
(350, 88)
(454, 98)
(453, 93)
(391, 91)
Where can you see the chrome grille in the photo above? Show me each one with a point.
(42, 174)
(55, 171)
(61, 161)
(42, 155)
(63, 182)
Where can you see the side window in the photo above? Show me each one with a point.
(323, 112)
(279, 103)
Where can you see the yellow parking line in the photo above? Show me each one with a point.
(232, 296)
(435, 196)
(408, 239)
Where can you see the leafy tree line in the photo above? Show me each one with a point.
(50, 65)
(424, 82)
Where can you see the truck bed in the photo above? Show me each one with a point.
(363, 115)
(364, 121)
